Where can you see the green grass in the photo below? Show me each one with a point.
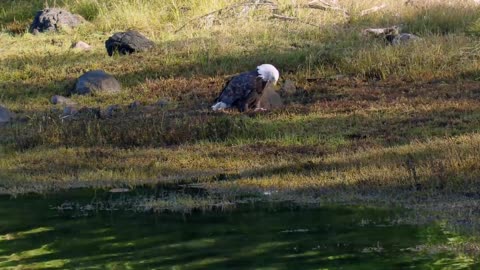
(400, 126)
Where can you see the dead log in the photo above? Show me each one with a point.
(323, 5)
(372, 10)
(244, 4)
(291, 19)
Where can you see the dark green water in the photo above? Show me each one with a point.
(267, 236)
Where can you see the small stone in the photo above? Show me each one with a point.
(62, 100)
(69, 111)
(149, 108)
(127, 43)
(404, 38)
(80, 45)
(90, 112)
(5, 115)
(162, 103)
(96, 81)
(134, 105)
(288, 87)
(111, 110)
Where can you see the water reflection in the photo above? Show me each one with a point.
(36, 235)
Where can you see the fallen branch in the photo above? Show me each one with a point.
(322, 5)
(249, 3)
(333, 6)
(381, 31)
(291, 19)
(372, 10)
(284, 18)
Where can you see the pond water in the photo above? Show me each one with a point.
(35, 235)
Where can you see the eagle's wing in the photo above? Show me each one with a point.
(223, 90)
(238, 88)
(253, 97)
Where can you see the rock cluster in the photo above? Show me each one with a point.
(392, 35)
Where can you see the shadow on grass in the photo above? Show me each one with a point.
(169, 127)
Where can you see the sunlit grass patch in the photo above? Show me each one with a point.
(19, 235)
(15, 258)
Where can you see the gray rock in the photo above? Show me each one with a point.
(111, 110)
(96, 81)
(288, 87)
(134, 105)
(404, 38)
(90, 112)
(69, 111)
(127, 43)
(270, 99)
(61, 100)
(394, 37)
(72, 111)
(162, 103)
(80, 45)
(53, 19)
(5, 115)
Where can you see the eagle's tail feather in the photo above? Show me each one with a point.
(219, 106)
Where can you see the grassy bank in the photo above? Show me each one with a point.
(369, 122)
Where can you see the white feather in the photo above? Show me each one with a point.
(268, 73)
(219, 106)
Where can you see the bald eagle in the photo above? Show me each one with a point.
(244, 90)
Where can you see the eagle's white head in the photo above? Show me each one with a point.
(268, 73)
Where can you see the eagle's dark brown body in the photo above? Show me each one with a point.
(243, 91)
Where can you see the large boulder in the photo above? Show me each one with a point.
(52, 19)
(96, 81)
(128, 42)
(270, 99)
(5, 115)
